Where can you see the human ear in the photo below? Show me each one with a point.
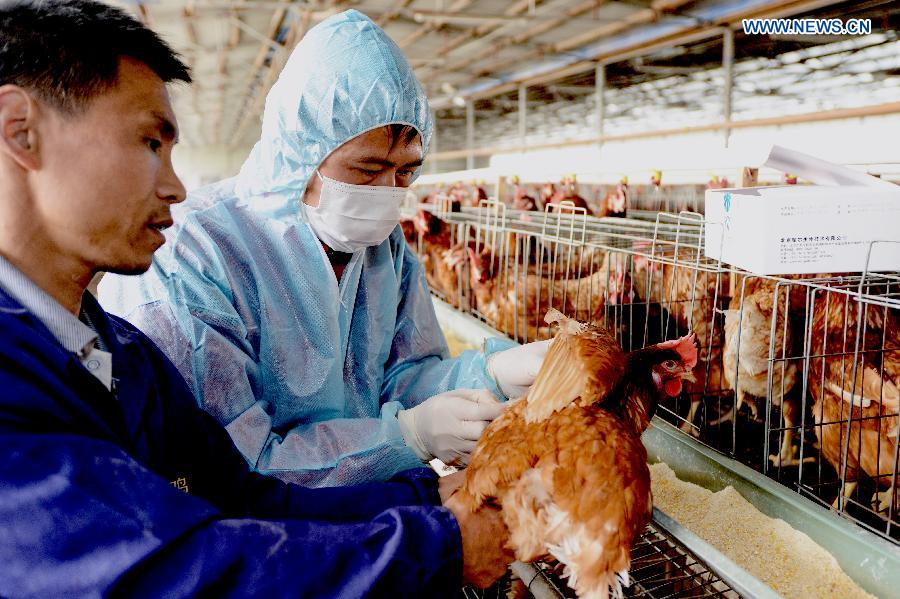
(18, 135)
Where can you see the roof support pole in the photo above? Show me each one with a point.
(433, 150)
(728, 68)
(470, 134)
(523, 115)
(600, 98)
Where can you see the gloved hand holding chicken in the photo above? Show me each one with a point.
(566, 464)
(447, 425)
(515, 369)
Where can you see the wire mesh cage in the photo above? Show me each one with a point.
(798, 376)
(661, 567)
(510, 271)
(671, 199)
(644, 281)
(847, 369)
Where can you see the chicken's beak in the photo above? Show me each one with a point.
(688, 375)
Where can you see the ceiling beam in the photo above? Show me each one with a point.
(393, 12)
(144, 14)
(489, 32)
(187, 17)
(464, 18)
(689, 35)
(480, 32)
(571, 90)
(252, 111)
(238, 5)
(518, 39)
(427, 28)
(265, 39)
(638, 65)
(274, 25)
(235, 39)
(640, 17)
(188, 14)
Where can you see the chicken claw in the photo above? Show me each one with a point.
(689, 428)
(788, 456)
(848, 491)
(883, 501)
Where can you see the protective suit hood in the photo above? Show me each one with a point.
(344, 78)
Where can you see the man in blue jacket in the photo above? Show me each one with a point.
(113, 480)
(288, 298)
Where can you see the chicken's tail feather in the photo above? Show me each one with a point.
(611, 588)
(574, 552)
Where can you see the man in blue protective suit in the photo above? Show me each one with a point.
(288, 298)
(113, 481)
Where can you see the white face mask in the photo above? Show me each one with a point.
(352, 217)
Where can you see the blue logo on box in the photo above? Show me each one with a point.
(726, 200)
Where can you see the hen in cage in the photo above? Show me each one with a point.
(442, 259)
(854, 373)
(757, 324)
(513, 304)
(566, 462)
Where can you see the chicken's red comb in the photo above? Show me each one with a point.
(685, 346)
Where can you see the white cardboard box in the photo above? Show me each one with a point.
(806, 229)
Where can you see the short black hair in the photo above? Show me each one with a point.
(405, 134)
(67, 51)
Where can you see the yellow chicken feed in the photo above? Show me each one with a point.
(770, 549)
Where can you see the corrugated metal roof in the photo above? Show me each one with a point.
(237, 47)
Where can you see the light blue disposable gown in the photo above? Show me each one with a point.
(306, 374)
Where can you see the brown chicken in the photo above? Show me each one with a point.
(521, 199)
(513, 305)
(566, 463)
(615, 202)
(748, 336)
(449, 276)
(857, 414)
(550, 194)
(575, 201)
(434, 241)
(567, 195)
(410, 232)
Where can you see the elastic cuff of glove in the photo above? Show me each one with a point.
(407, 421)
(491, 347)
(493, 386)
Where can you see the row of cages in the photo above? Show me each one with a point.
(597, 199)
(799, 375)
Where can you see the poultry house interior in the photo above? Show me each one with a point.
(772, 390)
(696, 203)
